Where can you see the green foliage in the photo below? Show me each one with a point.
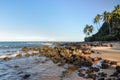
(110, 29)
(88, 29)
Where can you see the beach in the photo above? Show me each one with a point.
(110, 53)
(39, 67)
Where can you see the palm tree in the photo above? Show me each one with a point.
(107, 18)
(97, 20)
(115, 20)
(88, 29)
(117, 8)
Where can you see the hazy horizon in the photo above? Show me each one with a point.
(49, 20)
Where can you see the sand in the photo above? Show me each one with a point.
(110, 53)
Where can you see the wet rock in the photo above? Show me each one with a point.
(118, 69)
(106, 61)
(27, 54)
(92, 76)
(101, 79)
(87, 64)
(83, 71)
(6, 58)
(105, 65)
(90, 70)
(16, 66)
(81, 74)
(19, 55)
(118, 79)
(110, 79)
(102, 74)
(113, 63)
(26, 76)
(25, 49)
(95, 69)
(115, 74)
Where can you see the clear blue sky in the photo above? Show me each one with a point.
(39, 20)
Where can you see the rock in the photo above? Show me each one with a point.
(83, 71)
(113, 63)
(102, 74)
(19, 55)
(118, 69)
(101, 79)
(6, 58)
(88, 64)
(118, 78)
(27, 54)
(25, 49)
(81, 75)
(93, 76)
(115, 74)
(110, 79)
(105, 65)
(26, 76)
(16, 66)
(95, 69)
(90, 70)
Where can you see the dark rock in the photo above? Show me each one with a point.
(102, 74)
(81, 75)
(16, 66)
(26, 76)
(106, 61)
(95, 69)
(101, 79)
(115, 74)
(110, 79)
(6, 58)
(93, 76)
(113, 63)
(105, 65)
(118, 69)
(83, 71)
(87, 64)
(90, 70)
(118, 78)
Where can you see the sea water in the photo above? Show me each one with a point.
(7, 48)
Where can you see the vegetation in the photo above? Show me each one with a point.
(110, 29)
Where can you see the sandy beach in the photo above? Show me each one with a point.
(110, 53)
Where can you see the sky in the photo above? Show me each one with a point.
(49, 20)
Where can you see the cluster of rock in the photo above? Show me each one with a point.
(78, 58)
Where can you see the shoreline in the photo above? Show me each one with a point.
(39, 67)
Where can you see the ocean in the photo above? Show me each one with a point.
(7, 48)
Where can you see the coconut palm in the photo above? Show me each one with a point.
(115, 20)
(88, 29)
(107, 18)
(97, 20)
